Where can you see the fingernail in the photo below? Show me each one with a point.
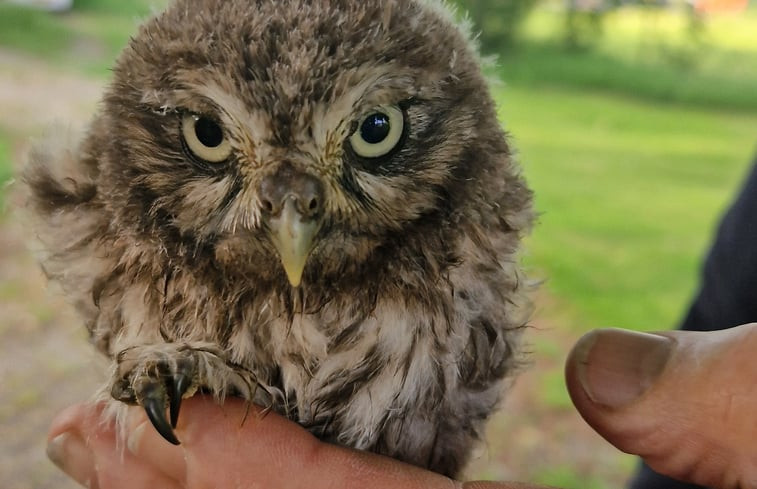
(69, 452)
(615, 366)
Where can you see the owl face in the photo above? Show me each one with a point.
(298, 140)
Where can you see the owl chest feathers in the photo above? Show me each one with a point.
(341, 373)
(350, 385)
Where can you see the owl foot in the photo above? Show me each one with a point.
(158, 377)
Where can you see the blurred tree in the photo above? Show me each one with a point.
(497, 20)
(584, 21)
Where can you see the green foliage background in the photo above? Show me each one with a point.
(497, 21)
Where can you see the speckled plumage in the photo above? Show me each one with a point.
(408, 315)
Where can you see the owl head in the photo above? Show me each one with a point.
(305, 143)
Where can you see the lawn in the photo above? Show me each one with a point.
(645, 53)
(628, 193)
(633, 144)
(87, 39)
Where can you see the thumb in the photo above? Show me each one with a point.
(684, 401)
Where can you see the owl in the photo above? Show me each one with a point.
(309, 204)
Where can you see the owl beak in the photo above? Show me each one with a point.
(293, 236)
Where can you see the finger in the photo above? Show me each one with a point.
(146, 444)
(66, 448)
(71, 454)
(101, 461)
(86, 448)
(225, 444)
(684, 401)
(236, 441)
(222, 443)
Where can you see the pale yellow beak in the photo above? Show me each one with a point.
(293, 238)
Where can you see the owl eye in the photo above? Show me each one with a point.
(205, 138)
(379, 132)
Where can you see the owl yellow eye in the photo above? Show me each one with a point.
(205, 138)
(379, 132)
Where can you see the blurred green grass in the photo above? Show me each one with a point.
(118, 7)
(86, 39)
(628, 193)
(32, 31)
(644, 53)
(565, 477)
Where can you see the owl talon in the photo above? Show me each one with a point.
(155, 407)
(159, 380)
(179, 386)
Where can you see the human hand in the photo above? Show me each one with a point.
(219, 451)
(684, 401)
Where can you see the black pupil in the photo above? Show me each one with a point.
(208, 132)
(375, 128)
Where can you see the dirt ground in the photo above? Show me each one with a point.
(46, 363)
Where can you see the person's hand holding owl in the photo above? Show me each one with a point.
(218, 451)
(684, 401)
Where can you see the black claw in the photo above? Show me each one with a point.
(156, 411)
(180, 385)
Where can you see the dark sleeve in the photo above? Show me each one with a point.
(728, 293)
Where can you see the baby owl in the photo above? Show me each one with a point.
(309, 204)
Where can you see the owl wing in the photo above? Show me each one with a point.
(64, 211)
